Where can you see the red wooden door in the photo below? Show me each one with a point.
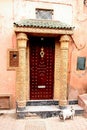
(41, 68)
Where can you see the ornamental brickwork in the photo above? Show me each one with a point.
(64, 41)
(21, 71)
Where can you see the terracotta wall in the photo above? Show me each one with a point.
(13, 10)
(7, 40)
(78, 79)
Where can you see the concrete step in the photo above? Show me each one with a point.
(82, 101)
(47, 110)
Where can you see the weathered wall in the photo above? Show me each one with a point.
(26, 9)
(7, 40)
(78, 78)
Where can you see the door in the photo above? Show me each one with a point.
(41, 68)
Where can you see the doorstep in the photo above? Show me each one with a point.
(47, 111)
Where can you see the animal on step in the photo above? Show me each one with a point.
(67, 113)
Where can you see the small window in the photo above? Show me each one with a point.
(81, 63)
(13, 59)
(44, 14)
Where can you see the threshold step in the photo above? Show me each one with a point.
(42, 102)
(49, 111)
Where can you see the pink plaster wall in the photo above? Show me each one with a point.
(77, 83)
(7, 41)
(13, 10)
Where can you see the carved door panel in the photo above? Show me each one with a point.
(41, 68)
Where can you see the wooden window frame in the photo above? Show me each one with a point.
(8, 59)
(8, 99)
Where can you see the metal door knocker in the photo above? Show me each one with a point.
(42, 52)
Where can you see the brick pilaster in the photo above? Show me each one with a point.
(64, 41)
(21, 71)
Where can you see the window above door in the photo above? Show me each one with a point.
(44, 14)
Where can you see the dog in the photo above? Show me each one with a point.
(67, 113)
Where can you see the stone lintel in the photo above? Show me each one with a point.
(44, 31)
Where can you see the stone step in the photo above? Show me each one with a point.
(44, 111)
(42, 102)
(48, 102)
(82, 101)
(47, 110)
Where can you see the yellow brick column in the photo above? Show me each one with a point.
(21, 79)
(64, 41)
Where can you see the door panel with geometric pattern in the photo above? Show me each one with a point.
(41, 68)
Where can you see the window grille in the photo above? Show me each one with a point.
(44, 14)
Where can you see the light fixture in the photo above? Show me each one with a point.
(42, 38)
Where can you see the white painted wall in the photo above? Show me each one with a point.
(26, 9)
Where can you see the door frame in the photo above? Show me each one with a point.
(63, 36)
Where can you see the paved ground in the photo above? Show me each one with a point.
(8, 121)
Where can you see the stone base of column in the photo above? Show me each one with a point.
(20, 109)
(20, 115)
(62, 104)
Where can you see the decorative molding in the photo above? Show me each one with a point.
(44, 31)
(22, 36)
